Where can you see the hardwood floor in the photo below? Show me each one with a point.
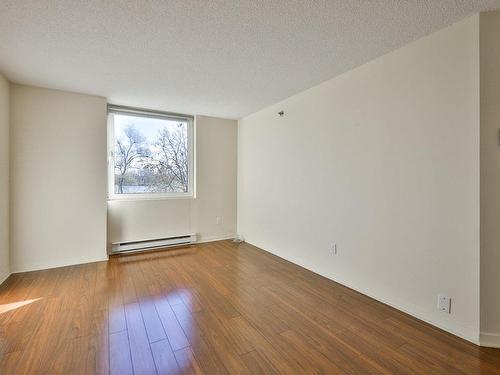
(216, 308)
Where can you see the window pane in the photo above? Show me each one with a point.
(151, 155)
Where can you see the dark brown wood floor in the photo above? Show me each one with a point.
(217, 308)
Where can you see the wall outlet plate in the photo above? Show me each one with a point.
(444, 303)
(333, 249)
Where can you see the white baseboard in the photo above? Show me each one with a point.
(216, 238)
(4, 277)
(398, 305)
(491, 340)
(419, 316)
(55, 264)
(71, 262)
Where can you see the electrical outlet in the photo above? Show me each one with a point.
(218, 220)
(333, 249)
(444, 303)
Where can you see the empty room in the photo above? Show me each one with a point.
(249, 187)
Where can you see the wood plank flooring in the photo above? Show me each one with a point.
(217, 308)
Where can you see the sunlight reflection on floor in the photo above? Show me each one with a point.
(15, 305)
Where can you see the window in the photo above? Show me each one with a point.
(150, 154)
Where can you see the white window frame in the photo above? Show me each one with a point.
(130, 111)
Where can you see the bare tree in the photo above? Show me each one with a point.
(170, 162)
(129, 149)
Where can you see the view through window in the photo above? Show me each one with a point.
(151, 155)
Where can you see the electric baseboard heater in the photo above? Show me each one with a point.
(156, 243)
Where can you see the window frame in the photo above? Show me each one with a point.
(140, 112)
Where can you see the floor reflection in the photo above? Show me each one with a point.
(161, 321)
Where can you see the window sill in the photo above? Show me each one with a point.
(150, 198)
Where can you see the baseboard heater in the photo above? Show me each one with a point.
(156, 243)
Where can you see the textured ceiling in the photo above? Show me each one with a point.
(222, 58)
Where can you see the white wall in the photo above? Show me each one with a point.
(4, 179)
(490, 178)
(58, 178)
(216, 141)
(384, 161)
